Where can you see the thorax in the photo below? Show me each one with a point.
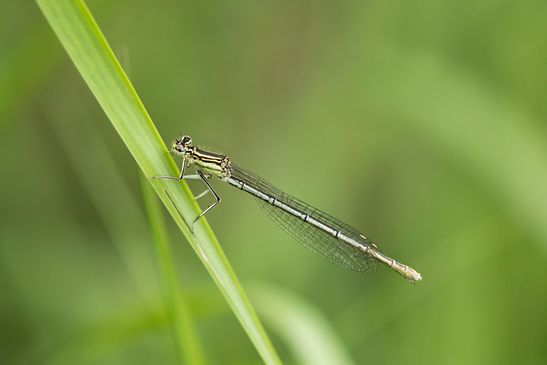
(210, 162)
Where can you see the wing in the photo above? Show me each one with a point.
(308, 235)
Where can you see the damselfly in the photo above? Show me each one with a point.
(321, 233)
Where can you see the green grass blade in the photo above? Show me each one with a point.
(187, 341)
(306, 331)
(82, 39)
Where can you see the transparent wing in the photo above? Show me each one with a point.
(308, 235)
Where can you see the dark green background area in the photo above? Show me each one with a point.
(420, 123)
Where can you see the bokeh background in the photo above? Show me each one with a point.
(420, 123)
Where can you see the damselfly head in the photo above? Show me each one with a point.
(182, 144)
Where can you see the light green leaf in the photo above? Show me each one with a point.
(94, 59)
(187, 341)
(306, 330)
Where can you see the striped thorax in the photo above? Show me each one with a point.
(210, 162)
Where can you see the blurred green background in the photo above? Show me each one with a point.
(420, 123)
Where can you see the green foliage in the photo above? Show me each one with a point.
(90, 52)
(421, 124)
(186, 338)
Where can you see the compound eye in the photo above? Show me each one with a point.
(186, 140)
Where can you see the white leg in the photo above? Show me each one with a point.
(182, 168)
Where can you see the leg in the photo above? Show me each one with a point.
(196, 177)
(202, 194)
(182, 168)
(182, 176)
(200, 173)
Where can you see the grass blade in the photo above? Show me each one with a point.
(306, 330)
(187, 341)
(82, 39)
